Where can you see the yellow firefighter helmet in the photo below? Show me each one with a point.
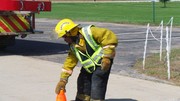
(64, 27)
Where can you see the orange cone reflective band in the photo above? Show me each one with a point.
(61, 96)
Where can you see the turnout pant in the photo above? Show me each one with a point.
(92, 86)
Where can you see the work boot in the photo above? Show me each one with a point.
(96, 100)
(82, 97)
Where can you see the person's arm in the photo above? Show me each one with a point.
(67, 69)
(108, 41)
(69, 64)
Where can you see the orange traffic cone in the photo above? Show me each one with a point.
(61, 96)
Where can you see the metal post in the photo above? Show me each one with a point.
(153, 4)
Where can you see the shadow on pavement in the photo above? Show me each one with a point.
(121, 100)
(35, 48)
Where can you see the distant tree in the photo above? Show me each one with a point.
(164, 1)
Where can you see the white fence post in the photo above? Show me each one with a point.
(145, 45)
(168, 43)
(160, 53)
(167, 52)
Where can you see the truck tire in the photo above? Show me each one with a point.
(2, 48)
(7, 40)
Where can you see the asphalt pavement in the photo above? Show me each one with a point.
(29, 79)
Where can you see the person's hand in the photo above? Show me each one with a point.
(60, 86)
(105, 64)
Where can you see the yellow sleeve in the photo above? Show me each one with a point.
(69, 64)
(106, 39)
(104, 36)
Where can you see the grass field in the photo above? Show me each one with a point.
(156, 68)
(131, 13)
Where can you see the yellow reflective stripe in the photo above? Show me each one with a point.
(109, 46)
(91, 39)
(17, 23)
(97, 55)
(77, 54)
(87, 63)
(88, 36)
(2, 30)
(24, 20)
(67, 71)
(7, 24)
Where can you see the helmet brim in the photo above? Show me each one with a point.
(60, 36)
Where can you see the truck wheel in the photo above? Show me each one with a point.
(6, 40)
(2, 48)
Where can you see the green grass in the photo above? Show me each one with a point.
(131, 13)
(156, 68)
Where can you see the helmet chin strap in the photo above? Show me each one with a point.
(68, 33)
(75, 39)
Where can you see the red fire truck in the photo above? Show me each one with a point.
(17, 18)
